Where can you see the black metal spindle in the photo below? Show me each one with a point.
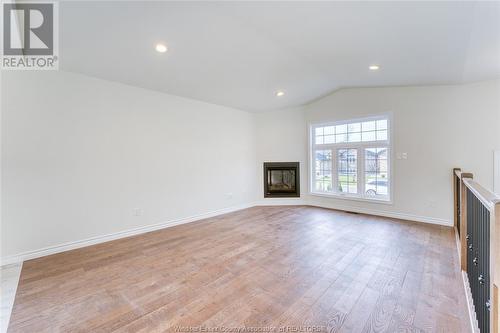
(478, 258)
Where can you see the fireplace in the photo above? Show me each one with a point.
(281, 179)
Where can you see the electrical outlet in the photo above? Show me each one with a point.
(229, 195)
(404, 156)
(138, 212)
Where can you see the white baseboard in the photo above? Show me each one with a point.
(394, 215)
(465, 282)
(473, 325)
(470, 305)
(7, 260)
(281, 202)
(267, 202)
(367, 211)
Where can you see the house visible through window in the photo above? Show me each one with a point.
(351, 159)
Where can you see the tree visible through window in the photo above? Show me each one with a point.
(352, 158)
(323, 174)
(347, 172)
(376, 171)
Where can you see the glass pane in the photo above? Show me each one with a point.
(329, 139)
(325, 157)
(382, 189)
(383, 175)
(371, 153)
(382, 124)
(352, 154)
(340, 138)
(347, 170)
(354, 127)
(329, 130)
(346, 187)
(339, 129)
(382, 166)
(318, 131)
(323, 170)
(318, 186)
(281, 180)
(376, 172)
(382, 153)
(368, 126)
(354, 137)
(381, 135)
(319, 140)
(376, 153)
(368, 136)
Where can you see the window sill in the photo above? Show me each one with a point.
(351, 198)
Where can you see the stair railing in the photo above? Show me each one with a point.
(477, 222)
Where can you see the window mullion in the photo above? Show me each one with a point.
(361, 171)
(312, 176)
(335, 180)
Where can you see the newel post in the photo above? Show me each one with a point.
(456, 188)
(463, 220)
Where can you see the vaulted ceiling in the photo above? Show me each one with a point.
(240, 53)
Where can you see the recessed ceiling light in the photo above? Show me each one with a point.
(374, 67)
(280, 93)
(162, 48)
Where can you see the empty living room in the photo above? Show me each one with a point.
(250, 166)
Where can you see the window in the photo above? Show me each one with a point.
(376, 171)
(347, 172)
(323, 174)
(352, 159)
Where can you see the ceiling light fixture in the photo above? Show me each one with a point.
(374, 67)
(280, 93)
(161, 48)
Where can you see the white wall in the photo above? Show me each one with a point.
(496, 172)
(281, 137)
(79, 154)
(440, 127)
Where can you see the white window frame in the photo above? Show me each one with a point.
(360, 146)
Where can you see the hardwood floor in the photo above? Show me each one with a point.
(303, 268)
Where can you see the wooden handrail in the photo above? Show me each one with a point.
(460, 174)
(487, 198)
(463, 183)
(464, 175)
(456, 203)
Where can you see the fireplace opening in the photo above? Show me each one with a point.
(281, 179)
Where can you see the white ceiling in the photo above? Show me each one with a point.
(239, 53)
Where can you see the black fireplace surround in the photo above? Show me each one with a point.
(281, 179)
